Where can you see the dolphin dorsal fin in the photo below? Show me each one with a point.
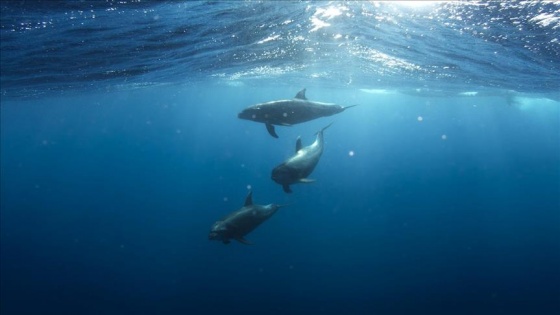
(249, 199)
(301, 95)
(298, 144)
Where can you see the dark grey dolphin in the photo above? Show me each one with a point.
(239, 223)
(296, 169)
(289, 112)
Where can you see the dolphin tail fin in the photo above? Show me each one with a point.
(284, 205)
(271, 131)
(345, 108)
(323, 129)
(243, 241)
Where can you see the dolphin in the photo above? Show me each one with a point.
(239, 223)
(289, 112)
(296, 169)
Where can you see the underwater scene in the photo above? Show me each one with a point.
(280, 157)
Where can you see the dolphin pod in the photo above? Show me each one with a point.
(294, 170)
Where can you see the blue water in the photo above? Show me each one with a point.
(120, 146)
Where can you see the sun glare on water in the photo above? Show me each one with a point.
(414, 4)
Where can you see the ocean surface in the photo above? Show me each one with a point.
(120, 147)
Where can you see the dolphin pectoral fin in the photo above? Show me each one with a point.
(243, 241)
(226, 242)
(301, 95)
(287, 189)
(271, 131)
(298, 144)
(306, 180)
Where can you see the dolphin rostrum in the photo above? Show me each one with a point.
(296, 169)
(289, 112)
(239, 223)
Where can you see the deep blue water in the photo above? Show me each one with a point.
(120, 146)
